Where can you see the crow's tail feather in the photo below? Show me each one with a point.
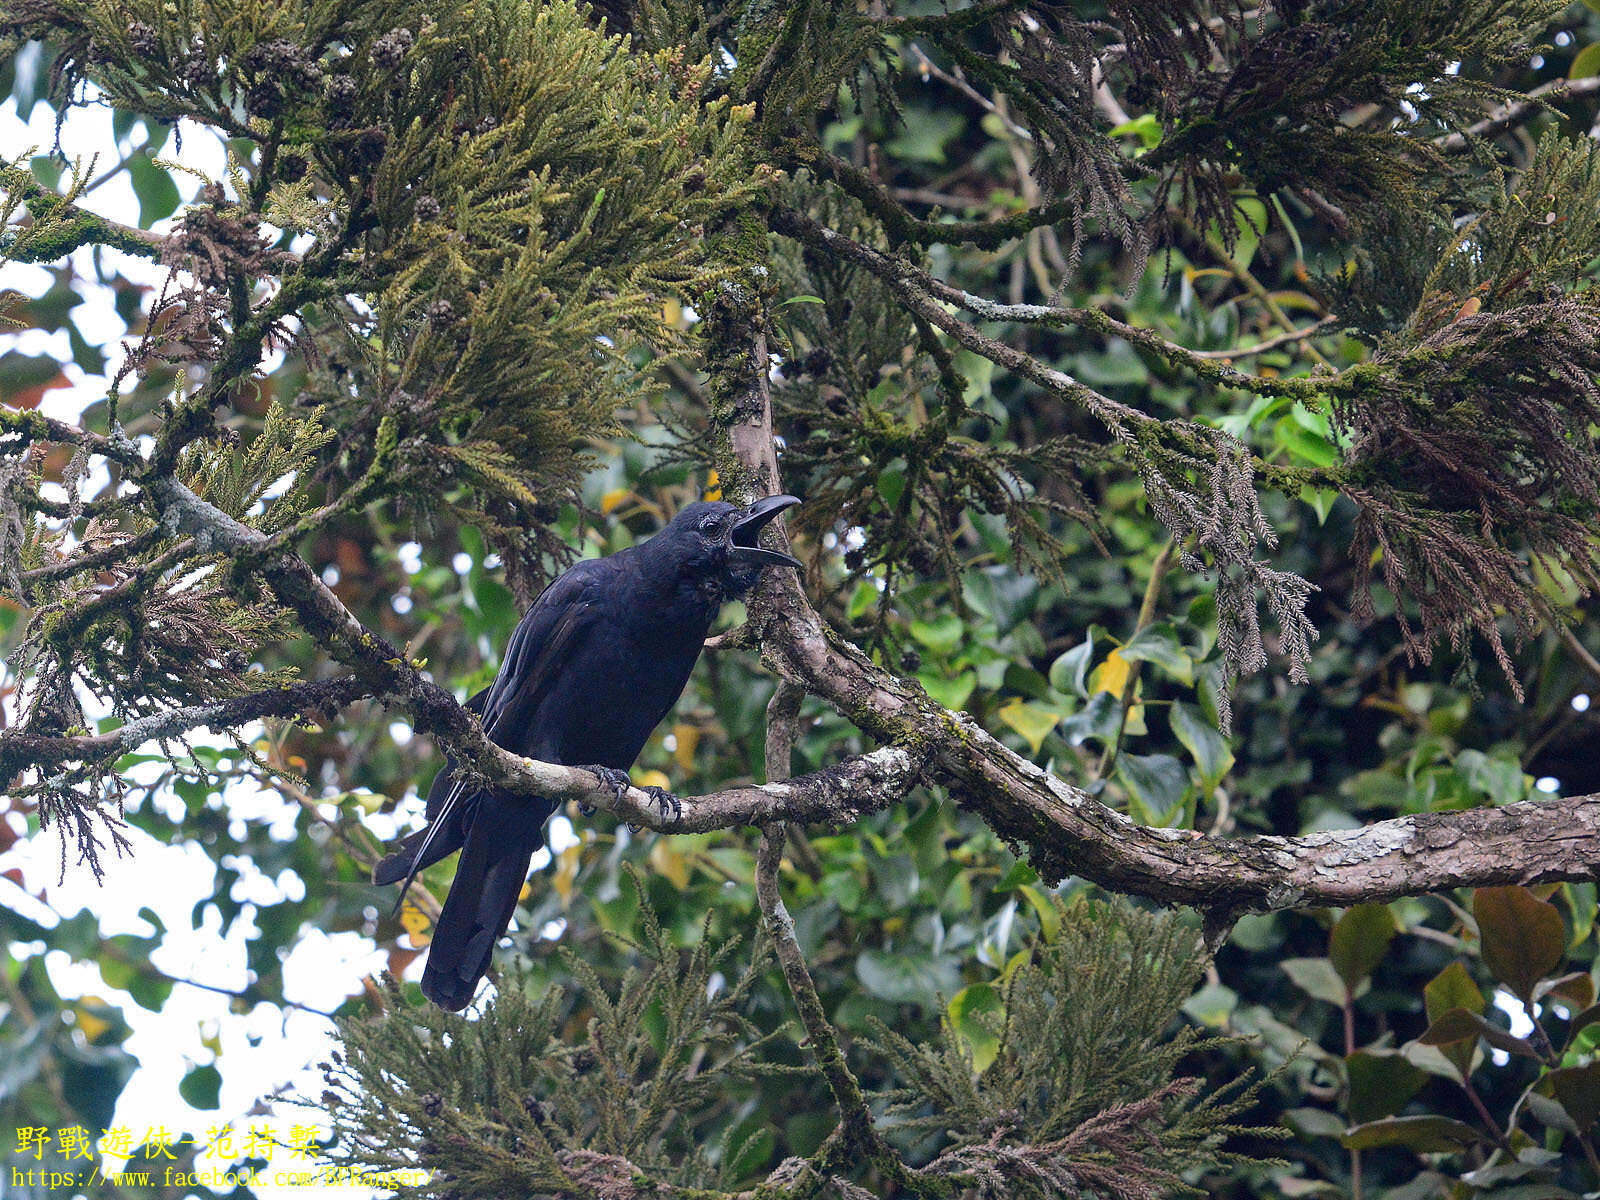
(483, 896)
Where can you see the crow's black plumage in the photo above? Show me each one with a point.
(592, 668)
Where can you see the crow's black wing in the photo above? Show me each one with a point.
(536, 659)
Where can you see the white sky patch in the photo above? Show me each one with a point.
(1548, 783)
(1580, 702)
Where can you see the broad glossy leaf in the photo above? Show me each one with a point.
(1158, 782)
(1451, 988)
(1032, 721)
(1380, 1084)
(1577, 1089)
(158, 195)
(966, 1012)
(1069, 672)
(1317, 978)
(1459, 1025)
(1523, 937)
(1212, 754)
(914, 978)
(1159, 644)
(1359, 940)
(1426, 1135)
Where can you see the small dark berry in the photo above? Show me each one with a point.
(441, 314)
(911, 661)
(585, 1060)
(485, 125)
(426, 209)
(432, 1104)
(817, 362)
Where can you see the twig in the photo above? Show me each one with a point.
(1272, 343)
(1497, 123)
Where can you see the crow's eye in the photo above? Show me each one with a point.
(707, 525)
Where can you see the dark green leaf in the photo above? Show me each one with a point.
(1578, 1091)
(158, 195)
(200, 1087)
(1458, 1024)
(1523, 937)
(1212, 754)
(1158, 782)
(1317, 978)
(1380, 1084)
(1359, 940)
(1159, 644)
(1426, 1135)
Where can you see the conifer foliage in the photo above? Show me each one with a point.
(1275, 313)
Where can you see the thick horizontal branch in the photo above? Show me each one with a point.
(21, 751)
(78, 226)
(1065, 831)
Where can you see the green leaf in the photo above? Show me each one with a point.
(965, 1013)
(1587, 62)
(200, 1087)
(1316, 978)
(1451, 988)
(1003, 594)
(1070, 672)
(1159, 644)
(1523, 938)
(941, 635)
(1577, 1089)
(1200, 738)
(892, 482)
(1212, 1005)
(158, 195)
(949, 691)
(1098, 720)
(1157, 781)
(1359, 939)
(1459, 1025)
(907, 978)
(1380, 1084)
(1426, 1135)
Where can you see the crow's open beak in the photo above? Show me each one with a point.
(746, 535)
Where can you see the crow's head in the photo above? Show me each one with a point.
(723, 541)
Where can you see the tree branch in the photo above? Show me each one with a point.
(1064, 831)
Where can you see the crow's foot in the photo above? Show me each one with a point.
(666, 802)
(616, 780)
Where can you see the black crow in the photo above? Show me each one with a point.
(591, 669)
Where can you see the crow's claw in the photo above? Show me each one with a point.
(666, 802)
(616, 780)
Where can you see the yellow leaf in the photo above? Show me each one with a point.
(672, 313)
(685, 738)
(415, 922)
(713, 486)
(614, 497)
(1111, 675)
(1469, 308)
(1032, 721)
(566, 872)
(667, 862)
(91, 1025)
(652, 779)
